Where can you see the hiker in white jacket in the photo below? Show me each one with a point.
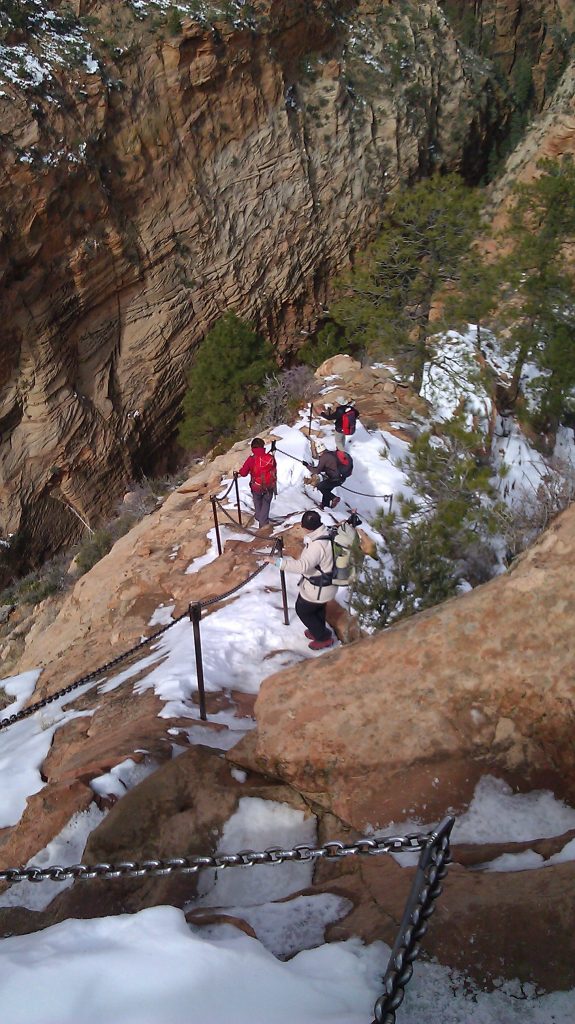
(316, 566)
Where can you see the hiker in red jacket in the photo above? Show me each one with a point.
(335, 467)
(262, 469)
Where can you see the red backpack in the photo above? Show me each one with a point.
(264, 474)
(348, 421)
(344, 464)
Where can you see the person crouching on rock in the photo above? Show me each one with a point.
(316, 566)
(335, 467)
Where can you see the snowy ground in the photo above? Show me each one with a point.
(151, 968)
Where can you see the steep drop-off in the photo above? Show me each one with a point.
(154, 181)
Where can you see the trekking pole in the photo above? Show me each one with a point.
(216, 524)
(195, 612)
(279, 548)
(238, 498)
(310, 417)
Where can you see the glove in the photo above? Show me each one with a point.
(308, 465)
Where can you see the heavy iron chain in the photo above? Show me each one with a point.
(332, 850)
(91, 677)
(420, 905)
(432, 868)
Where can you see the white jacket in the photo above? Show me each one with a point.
(316, 557)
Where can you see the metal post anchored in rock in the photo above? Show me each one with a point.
(216, 524)
(238, 499)
(279, 549)
(195, 611)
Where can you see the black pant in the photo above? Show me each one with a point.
(326, 487)
(313, 617)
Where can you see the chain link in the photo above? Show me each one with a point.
(431, 870)
(332, 850)
(433, 848)
(91, 677)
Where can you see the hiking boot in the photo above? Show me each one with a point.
(334, 502)
(309, 634)
(319, 645)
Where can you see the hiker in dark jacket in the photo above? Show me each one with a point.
(345, 415)
(333, 471)
(262, 469)
(316, 566)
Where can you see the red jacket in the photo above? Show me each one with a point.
(262, 469)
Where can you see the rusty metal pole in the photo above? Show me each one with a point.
(195, 613)
(310, 418)
(238, 498)
(217, 525)
(390, 501)
(279, 548)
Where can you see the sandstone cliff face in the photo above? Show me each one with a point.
(551, 137)
(146, 192)
(512, 32)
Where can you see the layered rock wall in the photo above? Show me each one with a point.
(147, 190)
(514, 33)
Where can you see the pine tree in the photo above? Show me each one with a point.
(224, 383)
(528, 290)
(442, 538)
(385, 303)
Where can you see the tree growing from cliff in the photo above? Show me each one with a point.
(224, 383)
(528, 292)
(442, 538)
(385, 303)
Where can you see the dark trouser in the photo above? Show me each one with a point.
(326, 487)
(312, 616)
(262, 502)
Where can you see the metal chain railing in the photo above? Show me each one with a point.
(432, 868)
(91, 677)
(246, 529)
(229, 593)
(333, 850)
(426, 887)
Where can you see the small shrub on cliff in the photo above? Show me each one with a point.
(38, 585)
(225, 383)
(173, 21)
(284, 392)
(413, 573)
(444, 539)
(329, 341)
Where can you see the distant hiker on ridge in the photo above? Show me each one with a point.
(316, 566)
(345, 415)
(335, 467)
(262, 468)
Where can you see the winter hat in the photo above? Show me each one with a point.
(258, 443)
(311, 520)
(341, 400)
